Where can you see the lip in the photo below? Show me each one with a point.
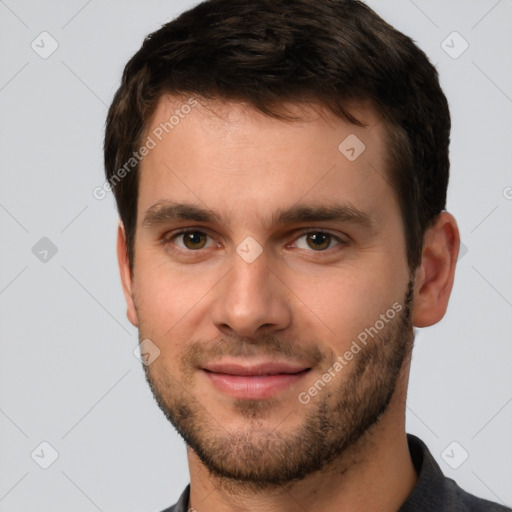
(254, 381)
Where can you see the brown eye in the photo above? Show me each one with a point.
(192, 240)
(319, 241)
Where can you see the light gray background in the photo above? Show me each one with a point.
(68, 375)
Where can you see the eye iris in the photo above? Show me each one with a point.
(319, 241)
(194, 240)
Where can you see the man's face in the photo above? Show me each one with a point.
(264, 253)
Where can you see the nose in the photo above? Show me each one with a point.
(251, 300)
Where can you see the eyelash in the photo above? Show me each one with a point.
(169, 237)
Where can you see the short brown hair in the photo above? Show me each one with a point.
(268, 52)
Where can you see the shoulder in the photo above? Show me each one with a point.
(437, 493)
(466, 502)
(182, 504)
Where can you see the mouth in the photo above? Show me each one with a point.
(254, 381)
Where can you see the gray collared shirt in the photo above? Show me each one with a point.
(433, 492)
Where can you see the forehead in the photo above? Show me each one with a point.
(220, 112)
(227, 155)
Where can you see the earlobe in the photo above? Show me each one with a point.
(126, 275)
(435, 275)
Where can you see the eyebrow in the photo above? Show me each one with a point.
(339, 213)
(166, 212)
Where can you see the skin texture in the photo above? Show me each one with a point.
(346, 447)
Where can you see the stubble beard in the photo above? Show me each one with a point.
(259, 456)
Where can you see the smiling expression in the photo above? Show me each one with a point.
(261, 253)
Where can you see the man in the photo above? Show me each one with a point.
(280, 170)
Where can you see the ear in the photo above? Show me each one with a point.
(126, 275)
(434, 276)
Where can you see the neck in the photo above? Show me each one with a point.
(376, 473)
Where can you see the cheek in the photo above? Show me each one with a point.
(342, 304)
(170, 303)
